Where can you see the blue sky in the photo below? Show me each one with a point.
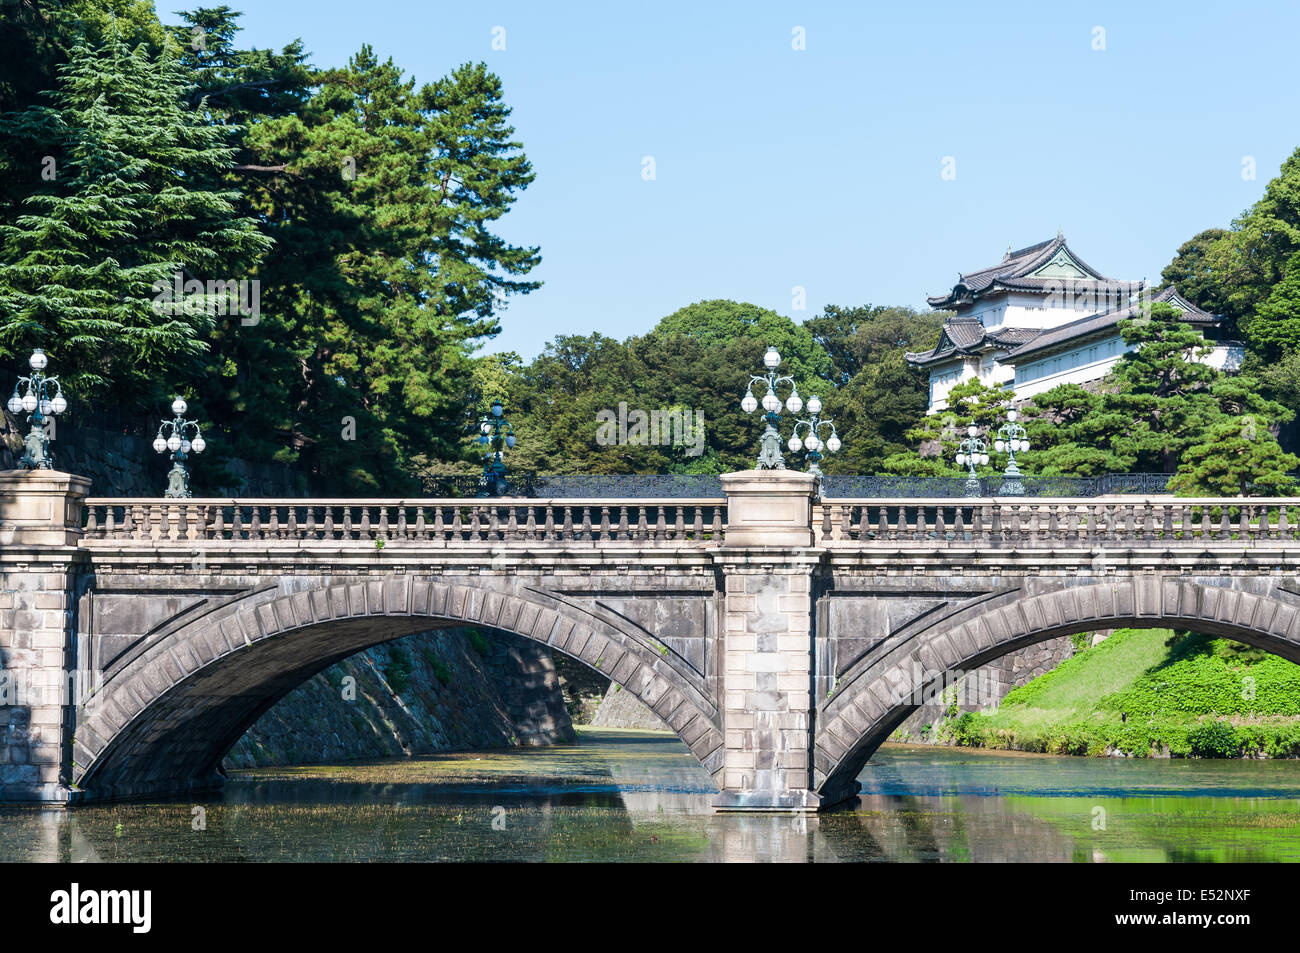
(821, 168)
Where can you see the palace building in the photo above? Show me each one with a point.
(1041, 317)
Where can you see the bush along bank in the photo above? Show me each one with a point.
(1148, 693)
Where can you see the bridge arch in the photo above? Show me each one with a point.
(878, 693)
(168, 714)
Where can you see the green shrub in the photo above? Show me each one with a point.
(398, 672)
(479, 642)
(1213, 739)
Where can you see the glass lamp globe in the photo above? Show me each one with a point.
(199, 444)
(185, 446)
(159, 444)
(497, 408)
(1024, 446)
(15, 404)
(1011, 416)
(179, 406)
(29, 402)
(46, 408)
(59, 404)
(812, 443)
(510, 440)
(485, 427)
(771, 403)
(749, 404)
(795, 444)
(772, 359)
(961, 459)
(833, 445)
(38, 360)
(814, 404)
(998, 446)
(173, 443)
(972, 430)
(794, 403)
(984, 459)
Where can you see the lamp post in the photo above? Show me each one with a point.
(42, 400)
(811, 441)
(179, 437)
(970, 452)
(769, 454)
(496, 435)
(1011, 440)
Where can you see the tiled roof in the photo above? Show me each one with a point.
(1096, 323)
(964, 335)
(1012, 274)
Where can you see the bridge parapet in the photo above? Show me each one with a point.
(431, 522)
(1057, 523)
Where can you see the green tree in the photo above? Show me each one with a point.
(1192, 274)
(938, 436)
(137, 201)
(1236, 456)
(1274, 329)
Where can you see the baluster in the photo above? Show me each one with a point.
(1225, 524)
(1244, 527)
(237, 522)
(642, 528)
(381, 530)
(291, 531)
(604, 523)
(421, 527)
(900, 526)
(255, 529)
(586, 523)
(530, 527)
(826, 522)
(310, 530)
(439, 528)
(512, 522)
(1283, 529)
(548, 529)
(402, 530)
(977, 521)
(717, 524)
(91, 523)
(940, 527)
(274, 531)
(328, 527)
(347, 523)
(622, 532)
(566, 526)
(474, 523)
(679, 527)
(1205, 523)
(1148, 522)
(493, 529)
(995, 521)
(697, 527)
(882, 523)
(1168, 512)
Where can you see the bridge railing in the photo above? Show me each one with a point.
(1056, 522)
(673, 522)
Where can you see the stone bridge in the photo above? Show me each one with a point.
(781, 637)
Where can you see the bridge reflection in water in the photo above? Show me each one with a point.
(641, 796)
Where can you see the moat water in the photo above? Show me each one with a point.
(639, 796)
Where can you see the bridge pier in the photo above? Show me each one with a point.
(40, 578)
(766, 652)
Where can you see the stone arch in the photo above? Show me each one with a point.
(164, 719)
(879, 692)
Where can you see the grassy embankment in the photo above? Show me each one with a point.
(1148, 693)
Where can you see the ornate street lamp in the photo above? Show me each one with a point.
(1011, 440)
(811, 440)
(42, 400)
(496, 435)
(972, 452)
(180, 438)
(769, 455)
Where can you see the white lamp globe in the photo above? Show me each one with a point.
(1011, 416)
(59, 404)
(812, 443)
(510, 440)
(485, 427)
(814, 404)
(1024, 445)
(173, 443)
(794, 403)
(998, 446)
(771, 403)
(179, 406)
(961, 459)
(972, 430)
(795, 444)
(159, 444)
(185, 446)
(199, 444)
(46, 408)
(497, 408)
(749, 404)
(772, 359)
(833, 445)
(38, 360)
(29, 402)
(15, 404)
(984, 459)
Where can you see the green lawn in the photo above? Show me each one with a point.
(1149, 691)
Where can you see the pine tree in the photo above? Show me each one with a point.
(1274, 330)
(135, 203)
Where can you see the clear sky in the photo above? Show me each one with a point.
(822, 168)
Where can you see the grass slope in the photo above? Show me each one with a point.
(1145, 692)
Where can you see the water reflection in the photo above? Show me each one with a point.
(640, 796)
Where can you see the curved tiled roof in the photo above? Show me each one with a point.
(1012, 274)
(1093, 324)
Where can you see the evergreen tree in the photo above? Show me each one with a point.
(132, 207)
(1274, 330)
